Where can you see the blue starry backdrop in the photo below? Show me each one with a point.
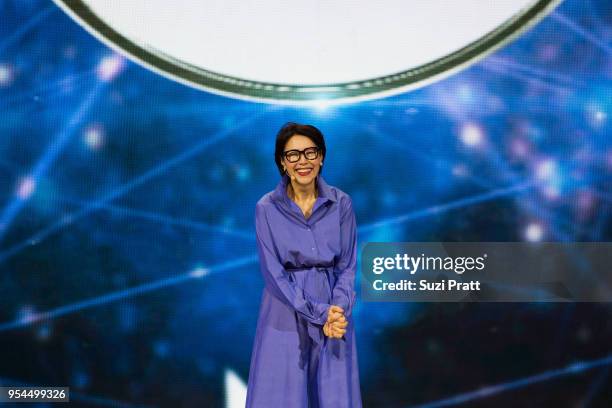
(128, 263)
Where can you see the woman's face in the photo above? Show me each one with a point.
(304, 170)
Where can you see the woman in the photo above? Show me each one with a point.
(304, 353)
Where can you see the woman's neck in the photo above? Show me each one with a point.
(302, 194)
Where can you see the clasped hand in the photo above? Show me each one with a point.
(336, 323)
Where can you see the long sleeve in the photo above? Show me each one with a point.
(277, 278)
(343, 293)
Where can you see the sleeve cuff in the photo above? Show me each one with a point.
(322, 311)
(344, 303)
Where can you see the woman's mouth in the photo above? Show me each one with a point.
(304, 172)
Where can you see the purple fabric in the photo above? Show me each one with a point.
(307, 264)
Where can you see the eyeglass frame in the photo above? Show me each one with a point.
(302, 152)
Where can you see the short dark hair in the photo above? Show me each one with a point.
(290, 129)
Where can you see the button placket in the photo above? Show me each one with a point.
(309, 229)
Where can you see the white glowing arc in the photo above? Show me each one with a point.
(298, 46)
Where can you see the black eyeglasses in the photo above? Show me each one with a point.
(293, 156)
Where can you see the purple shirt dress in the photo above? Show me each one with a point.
(307, 264)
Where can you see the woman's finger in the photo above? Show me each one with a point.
(339, 331)
(340, 325)
(335, 316)
(337, 308)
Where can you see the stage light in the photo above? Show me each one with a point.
(25, 187)
(6, 75)
(109, 67)
(534, 232)
(471, 135)
(93, 136)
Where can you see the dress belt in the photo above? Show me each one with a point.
(321, 268)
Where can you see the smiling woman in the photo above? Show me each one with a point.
(348, 49)
(304, 354)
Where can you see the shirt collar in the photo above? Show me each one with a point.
(280, 192)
